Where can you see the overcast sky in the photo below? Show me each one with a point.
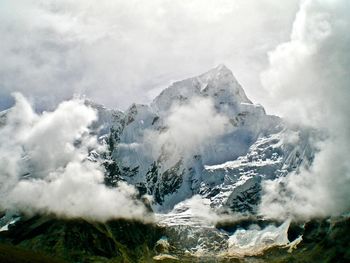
(118, 52)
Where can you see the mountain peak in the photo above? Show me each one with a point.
(220, 72)
(222, 68)
(218, 83)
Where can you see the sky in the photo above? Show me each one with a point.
(120, 52)
(292, 57)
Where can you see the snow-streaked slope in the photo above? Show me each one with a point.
(221, 173)
(218, 83)
(226, 168)
(236, 184)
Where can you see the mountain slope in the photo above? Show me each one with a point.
(154, 150)
(79, 240)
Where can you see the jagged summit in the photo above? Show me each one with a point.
(219, 72)
(222, 67)
(218, 83)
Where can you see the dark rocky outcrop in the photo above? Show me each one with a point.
(79, 240)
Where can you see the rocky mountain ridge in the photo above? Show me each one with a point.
(193, 183)
(226, 169)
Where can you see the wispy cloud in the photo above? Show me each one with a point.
(308, 78)
(44, 170)
(189, 129)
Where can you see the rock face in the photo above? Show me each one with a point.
(78, 240)
(226, 168)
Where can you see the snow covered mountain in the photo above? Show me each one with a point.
(199, 152)
(173, 149)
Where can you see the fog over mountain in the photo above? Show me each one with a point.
(308, 79)
(220, 128)
(119, 52)
(43, 171)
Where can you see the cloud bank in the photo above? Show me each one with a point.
(120, 52)
(309, 78)
(44, 169)
(189, 129)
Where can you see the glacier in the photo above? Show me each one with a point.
(226, 169)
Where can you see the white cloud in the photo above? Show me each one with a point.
(118, 51)
(61, 180)
(189, 128)
(309, 79)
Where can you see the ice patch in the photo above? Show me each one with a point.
(6, 227)
(254, 241)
